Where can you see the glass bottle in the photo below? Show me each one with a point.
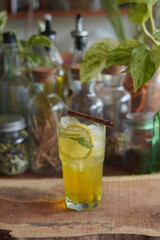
(13, 144)
(52, 57)
(84, 99)
(47, 109)
(14, 86)
(153, 93)
(53, 53)
(137, 151)
(117, 103)
(80, 39)
(155, 153)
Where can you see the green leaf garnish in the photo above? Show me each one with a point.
(81, 140)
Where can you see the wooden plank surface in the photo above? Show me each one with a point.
(35, 209)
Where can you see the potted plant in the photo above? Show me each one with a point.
(141, 59)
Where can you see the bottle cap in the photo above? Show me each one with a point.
(79, 31)
(140, 120)
(11, 123)
(9, 37)
(48, 32)
(43, 74)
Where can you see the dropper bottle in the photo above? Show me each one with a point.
(51, 34)
(80, 39)
(54, 56)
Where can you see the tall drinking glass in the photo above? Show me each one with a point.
(81, 150)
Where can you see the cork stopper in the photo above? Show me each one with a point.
(44, 74)
(75, 70)
(113, 70)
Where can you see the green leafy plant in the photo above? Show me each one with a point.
(112, 11)
(141, 60)
(3, 21)
(25, 47)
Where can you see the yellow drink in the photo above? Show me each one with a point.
(81, 149)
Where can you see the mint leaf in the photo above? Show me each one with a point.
(138, 13)
(94, 60)
(122, 53)
(141, 66)
(83, 142)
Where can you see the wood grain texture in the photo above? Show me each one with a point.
(35, 209)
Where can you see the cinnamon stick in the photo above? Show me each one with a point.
(91, 118)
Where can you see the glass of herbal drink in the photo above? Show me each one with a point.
(81, 150)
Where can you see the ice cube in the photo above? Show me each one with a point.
(67, 120)
(96, 130)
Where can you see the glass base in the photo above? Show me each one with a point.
(81, 206)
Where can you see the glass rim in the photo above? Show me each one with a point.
(86, 123)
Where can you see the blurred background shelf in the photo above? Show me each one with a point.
(19, 8)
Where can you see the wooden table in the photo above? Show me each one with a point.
(35, 209)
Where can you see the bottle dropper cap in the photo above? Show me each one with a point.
(48, 32)
(79, 31)
(9, 37)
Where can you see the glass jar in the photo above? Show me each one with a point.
(117, 103)
(13, 145)
(46, 108)
(84, 98)
(137, 152)
(14, 85)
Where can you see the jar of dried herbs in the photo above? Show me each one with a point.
(46, 108)
(137, 153)
(13, 145)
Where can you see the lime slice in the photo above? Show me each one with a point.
(76, 142)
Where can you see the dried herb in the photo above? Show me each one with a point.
(45, 149)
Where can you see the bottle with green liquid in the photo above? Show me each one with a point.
(155, 153)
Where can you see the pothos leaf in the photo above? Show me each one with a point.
(156, 35)
(142, 66)
(94, 60)
(35, 40)
(122, 53)
(151, 2)
(3, 20)
(138, 13)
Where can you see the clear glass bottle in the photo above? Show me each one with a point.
(14, 86)
(117, 103)
(53, 53)
(155, 153)
(80, 39)
(52, 57)
(46, 110)
(13, 144)
(84, 99)
(137, 152)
